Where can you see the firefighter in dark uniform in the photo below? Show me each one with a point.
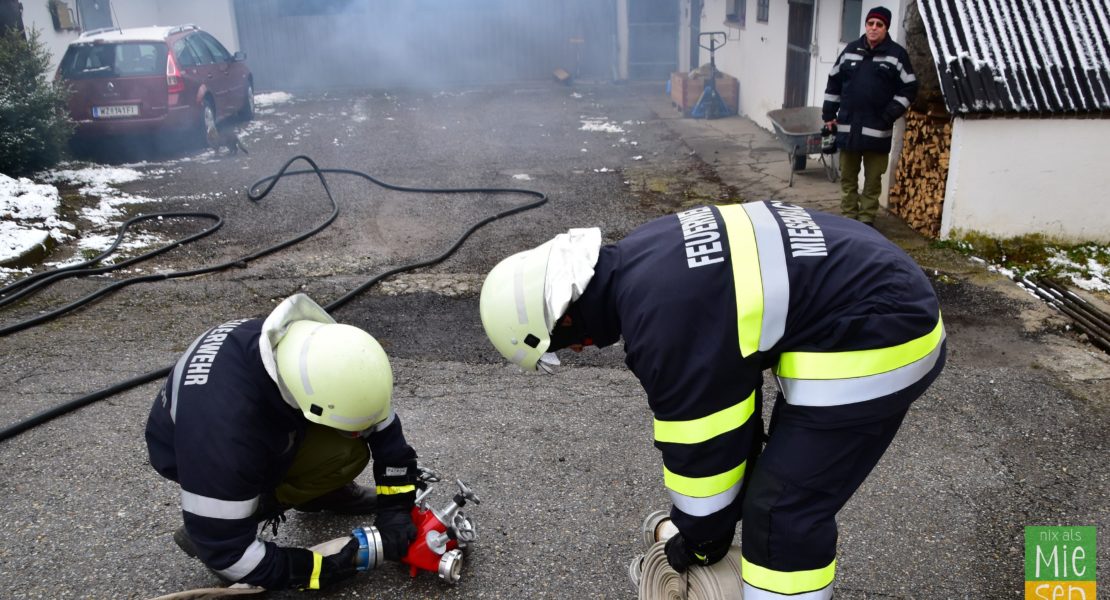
(260, 416)
(706, 301)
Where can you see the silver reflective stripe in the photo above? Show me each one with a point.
(246, 563)
(518, 293)
(213, 508)
(772, 270)
(906, 77)
(852, 56)
(890, 59)
(753, 593)
(700, 507)
(387, 422)
(879, 133)
(837, 392)
(904, 101)
(832, 97)
(302, 364)
(178, 370)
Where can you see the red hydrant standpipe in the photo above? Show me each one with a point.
(442, 535)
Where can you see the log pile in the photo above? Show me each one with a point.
(917, 192)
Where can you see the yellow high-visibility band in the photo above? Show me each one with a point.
(696, 431)
(788, 582)
(745, 274)
(858, 363)
(703, 487)
(387, 490)
(317, 566)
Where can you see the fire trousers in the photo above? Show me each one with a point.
(801, 480)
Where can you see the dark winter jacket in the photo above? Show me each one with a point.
(868, 89)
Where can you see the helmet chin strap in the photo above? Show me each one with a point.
(548, 362)
(569, 330)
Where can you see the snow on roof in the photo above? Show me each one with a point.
(1021, 56)
(135, 34)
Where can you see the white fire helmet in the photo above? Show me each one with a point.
(525, 294)
(338, 374)
(512, 307)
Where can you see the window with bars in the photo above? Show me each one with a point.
(762, 10)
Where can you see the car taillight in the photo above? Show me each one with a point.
(173, 76)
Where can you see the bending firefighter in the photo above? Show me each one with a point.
(260, 416)
(707, 300)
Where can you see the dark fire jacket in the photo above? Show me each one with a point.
(223, 432)
(708, 299)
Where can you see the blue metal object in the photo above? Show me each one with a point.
(710, 105)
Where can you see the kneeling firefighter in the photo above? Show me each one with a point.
(261, 416)
(708, 299)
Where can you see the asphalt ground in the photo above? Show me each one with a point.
(1012, 434)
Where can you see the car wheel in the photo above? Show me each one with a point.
(207, 121)
(247, 113)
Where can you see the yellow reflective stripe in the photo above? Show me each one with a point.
(858, 363)
(788, 582)
(317, 566)
(745, 272)
(387, 490)
(703, 487)
(706, 428)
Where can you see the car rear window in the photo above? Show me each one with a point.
(82, 61)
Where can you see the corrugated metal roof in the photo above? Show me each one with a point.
(1021, 56)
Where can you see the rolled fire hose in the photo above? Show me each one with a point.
(242, 589)
(654, 578)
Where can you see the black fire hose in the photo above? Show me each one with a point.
(21, 287)
(40, 418)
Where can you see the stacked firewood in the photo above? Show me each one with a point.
(917, 192)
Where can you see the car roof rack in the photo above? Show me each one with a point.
(93, 32)
(181, 28)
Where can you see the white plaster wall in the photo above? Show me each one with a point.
(756, 55)
(1010, 177)
(37, 17)
(214, 16)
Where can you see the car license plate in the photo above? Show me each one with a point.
(114, 112)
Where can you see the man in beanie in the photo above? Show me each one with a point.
(870, 86)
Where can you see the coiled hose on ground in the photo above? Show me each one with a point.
(22, 287)
(654, 578)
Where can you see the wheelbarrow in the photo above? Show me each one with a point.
(799, 131)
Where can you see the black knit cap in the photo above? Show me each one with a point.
(881, 13)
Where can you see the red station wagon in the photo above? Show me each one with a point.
(152, 80)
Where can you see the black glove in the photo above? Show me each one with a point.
(397, 530)
(681, 554)
(333, 568)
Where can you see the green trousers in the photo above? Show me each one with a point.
(327, 460)
(855, 204)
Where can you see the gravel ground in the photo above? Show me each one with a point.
(1012, 434)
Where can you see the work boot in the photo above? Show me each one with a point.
(351, 499)
(186, 545)
(183, 542)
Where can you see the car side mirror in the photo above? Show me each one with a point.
(239, 56)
